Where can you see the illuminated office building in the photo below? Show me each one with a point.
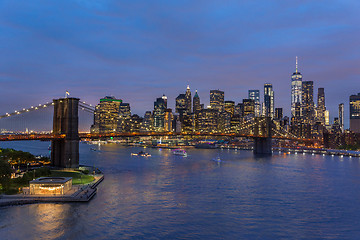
(255, 95)
(168, 120)
(235, 123)
(224, 122)
(188, 100)
(269, 100)
(165, 99)
(159, 113)
(296, 89)
(239, 109)
(296, 120)
(263, 109)
(320, 111)
(124, 117)
(187, 123)
(341, 116)
(196, 103)
(147, 123)
(180, 104)
(135, 123)
(355, 113)
(217, 100)
(230, 107)
(248, 107)
(208, 120)
(278, 113)
(327, 118)
(308, 111)
(106, 115)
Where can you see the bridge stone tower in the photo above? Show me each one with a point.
(262, 133)
(65, 152)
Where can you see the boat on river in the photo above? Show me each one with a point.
(180, 152)
(142, 154)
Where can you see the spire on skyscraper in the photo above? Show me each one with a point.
(188, 99)
(296, 64)
(196, 94)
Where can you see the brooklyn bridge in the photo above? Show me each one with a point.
(65, 134)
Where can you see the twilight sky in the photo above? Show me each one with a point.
(139, 50)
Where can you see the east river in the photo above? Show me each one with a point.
(171, 197)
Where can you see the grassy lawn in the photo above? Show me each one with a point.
(78, 178)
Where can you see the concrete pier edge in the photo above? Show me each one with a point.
(83, 195)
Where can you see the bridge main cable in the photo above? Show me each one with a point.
(24, 110)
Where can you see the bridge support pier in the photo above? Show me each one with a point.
(262, 146)
(65, 152)
(262, 131)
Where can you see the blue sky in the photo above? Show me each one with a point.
(139, 50)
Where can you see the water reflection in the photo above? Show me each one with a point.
(50, 218)
(170, 197)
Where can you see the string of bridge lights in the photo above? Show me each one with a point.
(84, 106)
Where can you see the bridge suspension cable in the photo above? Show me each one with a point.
(86, 107)
(25, 110)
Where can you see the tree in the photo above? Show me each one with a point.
(5, 174)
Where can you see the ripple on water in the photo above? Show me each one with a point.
(168, 197)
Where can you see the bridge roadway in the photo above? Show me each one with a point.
(49, 137)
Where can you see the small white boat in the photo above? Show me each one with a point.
(180, 152)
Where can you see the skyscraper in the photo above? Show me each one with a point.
(159, 113)
(230, 107)
(248, 107)
(135, 123)
(239, 109)
(196, 103)
(106, 116)
(187, 123)
(208, 120)
(147, 124)
(217, 100)
(296, 120)
(165, 99)
(355, 113)
(278, 113)
(308, 111)
(296, 92)
(124, 117)
(269, 100)
(188, 99)
(320, 111)
(255, 95)
(180, 105)
(341, 116)
(168, 119)
(327, 118)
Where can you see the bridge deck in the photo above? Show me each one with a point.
(48, 137)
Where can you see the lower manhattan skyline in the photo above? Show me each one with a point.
(137, 52)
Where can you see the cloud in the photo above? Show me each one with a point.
(138, 50)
